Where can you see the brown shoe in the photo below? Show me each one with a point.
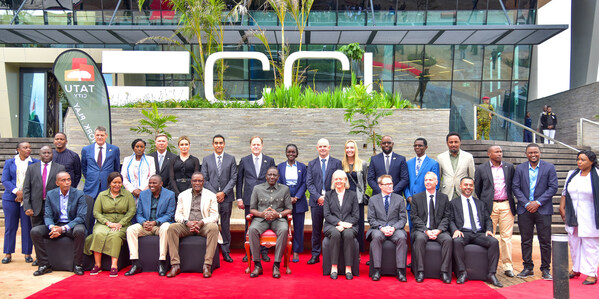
(175, 270)
(207, 272)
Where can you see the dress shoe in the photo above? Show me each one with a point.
(175, 270)
(313, 260)
(41, 270)
(245, 259)
(28, 259)
(134, 270)
(35, 264)
(349, 276)
(546, 275)
(78, 270)
(7, 260)
(257, 272)
(95, 270)
(509, 273)
(492, 279)
(445, 277)
(265, 257)
(409, 265)
(376, 276)
(590, 280)
(462, 278)
(295, 258)
(573, 274)
(419, 277)
(275, 272)
(333, 275)
(227, 258)
(401, 275)
(161, 269)
(206, 271)
(367, 263)
(525, 273)
(114, 272)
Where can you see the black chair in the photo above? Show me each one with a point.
(432, 260)
(106, 262)
(476, 262)
(326, 258)
(388, 260)
(191, 252)
(149, 253)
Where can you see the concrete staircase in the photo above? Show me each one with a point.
(563, 158)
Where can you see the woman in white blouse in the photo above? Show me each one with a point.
(579, 208)
(137, 169)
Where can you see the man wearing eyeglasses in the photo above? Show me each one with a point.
(389, 163)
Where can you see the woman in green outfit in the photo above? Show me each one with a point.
(114, 209)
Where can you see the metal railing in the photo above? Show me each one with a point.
(534, 133)
(582, 121)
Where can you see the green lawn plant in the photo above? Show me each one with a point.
(155, 123)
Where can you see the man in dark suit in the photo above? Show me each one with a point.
(318, 181)
(39, 179)
(387, 218)
(389, 163)
(220, 174)
(68, 158)
(534, 185)
(252, 172)
(162, 158)
(430, 220)
(98, 160)
(493, 185)
(470, 223)
(64, 215)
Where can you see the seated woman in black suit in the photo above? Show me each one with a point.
(341, 222)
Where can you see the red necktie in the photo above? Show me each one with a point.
(44, 177)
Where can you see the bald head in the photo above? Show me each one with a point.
(323, 148)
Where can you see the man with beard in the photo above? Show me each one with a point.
(454, 164)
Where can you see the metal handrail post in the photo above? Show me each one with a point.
(17, 12)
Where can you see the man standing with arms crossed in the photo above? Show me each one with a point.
(66, 157)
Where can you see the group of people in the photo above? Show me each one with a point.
(447, 200)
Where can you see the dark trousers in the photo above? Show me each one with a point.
(317, 214)
(41, 232)
(224, 211)
(343, 239)
(360, 235)
(419, 250)
(526, 224)
(298, 232)
(480, 239)
(401, 247)
(13, 212)
(263, 249)
(38, 219)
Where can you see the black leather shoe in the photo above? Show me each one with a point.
(161, 269)
(376, 276)
(275, 272)
(7, 260)
(525, 273)
(227, 258)
(409, 265)
(265, 257)
(573, 274)
(368, 263)
(546, 275)
(492, 279)
(401, 275)
(445, 277)
(419, 277)
(257, 271)
(28, 259)
(349, 276)
(462, 278)
(78, 270)
(245, 259)
(134, 270)
(509, 273)
(313, 260)
(41, 270)
(34, 263)
(590, 280)
(333, 275)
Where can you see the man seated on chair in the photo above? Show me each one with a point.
(387, 218)
(64, 215)
(197, 214)
(270, 204)
(430, 223)
(155, 211)
(470, 223)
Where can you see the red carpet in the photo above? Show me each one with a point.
(544, 289)
(230, 281)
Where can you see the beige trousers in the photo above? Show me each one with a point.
(502, 214)
(179, 230)
(136, 230)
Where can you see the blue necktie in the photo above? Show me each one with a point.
(324, 171)
(386, 204)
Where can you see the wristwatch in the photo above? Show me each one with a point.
(280, 215)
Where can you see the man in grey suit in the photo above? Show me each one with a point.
(162, 158)
(220, 174)
(387, 218)
(39, 179)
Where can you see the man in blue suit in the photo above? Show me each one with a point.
(97, 161)
(155, 211)
(389, 163)
(417, 169)
(251, 172)
(534, 185)
(318, 181)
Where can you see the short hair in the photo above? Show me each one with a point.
(338, 174)
(256, 136)
(100, 128)
(548, 106)
(323, 140)
(423, 141)
(492, 146)
(382, 177)
(218, 136)
(113, 175)
(156, 176)
(183, 138)
(61, 133)
(275, 168)
(161, 135)
(387, 136)
(532, 145)
(60, 173)
(292, 145)
(196, 173)
(430, 172)
(136, 141)
(21, 143)
(466, 178)
(453, 134)
(45, 145)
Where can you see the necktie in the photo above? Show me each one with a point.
(100, 157)
(324, 171)
(160, 160)
(219, 165)
(418, 161)
(44, 177)
(474, 228)
(387, 162)
(257, 166)
(386, 204)
(431, 213)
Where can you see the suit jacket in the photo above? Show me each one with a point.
(76, 207)
(398, 169)
(456, 215)
(314, 178)
(227, 179)
(163, 172)
(419, 212)
(377, 217)
(333, 212)
(450, 179)
(545, 189)
(33, 189)
(485, 188)
(165, 212)
(9, 178)
(246, 175)
(209, 207)
(416, 184)
(301, 205)
(96, 178)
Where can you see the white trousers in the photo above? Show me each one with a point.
(136, 230)
(584, 252)
(550, 133)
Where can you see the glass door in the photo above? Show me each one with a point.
(32, 103)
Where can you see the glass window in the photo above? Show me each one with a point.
(407, 90)
(434, 94)
(382, 64)
(30, 17)
(352, 16)
(527, 10)
(263, 18)
(437, 62)
(408, 62)
(464, 96)
(324, 5)
(91, 4)
(322, 18)
(255, 66)
(33, 103)
(497, 64)
(522, 59)
(471, 12)
(411, 12)
(441, 12)
(236, 69)
(468, 62)
(236, 89)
